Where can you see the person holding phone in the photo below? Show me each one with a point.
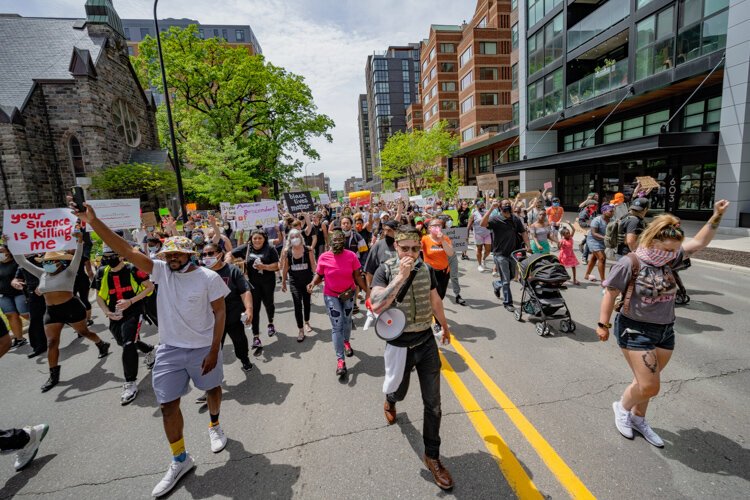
(416, 347)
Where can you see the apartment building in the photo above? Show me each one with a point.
(617, 89)
(363, 122)
(392, 85)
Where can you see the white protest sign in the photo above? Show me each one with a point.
(467, 192)
(324, 199)
(39, 230)
(227, 210)
(251, 215)
(404, 194)
(389, 197)
(118, 214)
(419, 201)
(459, 236)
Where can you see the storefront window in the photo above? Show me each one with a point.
(702, 115)
(575, 140)
(575, 188)
(514, 187)
(654, 44)
(697, 185)
(632, 128)
(484, 163)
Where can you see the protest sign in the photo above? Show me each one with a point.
(375, 198)
(252, 215)
(191, 207)
(324, 199)
(300, 201)
(467, 192)
(335, 204)
(404, 194)
(548, 185)
(118, 214)
(227, 210)
(453, 214)
(426, 193)
(39, 230)
(164, 212)
(459, 236)
(486, 182)
(647, 182)
(529, 195)
(359, 198)
(418, 200)
(388, 197)
(148, 219)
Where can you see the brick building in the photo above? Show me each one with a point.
(70, 103)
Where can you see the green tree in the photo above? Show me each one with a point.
(410, 155)
(132, 180)
(448, 186)
(262, 114)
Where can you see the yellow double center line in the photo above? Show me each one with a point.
(515, 474)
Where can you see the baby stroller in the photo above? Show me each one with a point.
(542, 277)
(682, 298)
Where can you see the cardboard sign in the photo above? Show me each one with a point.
(227, 210)
(459, 236)
(528, 195)
(300, 201)
(324, 199)
(335, 204)
(252, 215)
(453, 214)
(39, 230)
(467, 192)
(648, 182)
(148, 219)
(485, 182)
(191, 207)
(548, 185)
(164, 212)
(359, 198)
(118, 214)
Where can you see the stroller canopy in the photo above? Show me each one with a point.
(543, 268)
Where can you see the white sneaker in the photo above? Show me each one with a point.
(150, 358)
(640, 425)
(129, 392)
(622, 420)
(218, 439)
(481, 268)
(174, 473)
(26, 454)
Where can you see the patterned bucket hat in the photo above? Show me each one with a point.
(179, 244)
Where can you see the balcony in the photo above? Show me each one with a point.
(598, 83)
(597, 22)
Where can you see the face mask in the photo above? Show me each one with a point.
(296, 242)
(110, 261)
(434, 230)
(153, 249)
(505, 208)
(348, 233)
(4, 257)
(359, 227)
(49, 267)
(182, 269)
(654, 257)
(556, 204)
(449, 223)
(209, 261)
(198, 239)
(390, 240)
(419, 226)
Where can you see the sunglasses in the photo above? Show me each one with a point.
(410, 248)
(208, 254)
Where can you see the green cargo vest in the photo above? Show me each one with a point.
(416, 305)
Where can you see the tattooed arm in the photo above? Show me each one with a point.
(383, 296)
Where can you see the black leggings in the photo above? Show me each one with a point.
(125, 332)
(236, 331)
(442, 278)
(81, 288)
(301, 299)
(263, 293)
(37, 309)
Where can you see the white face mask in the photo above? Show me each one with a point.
(296, 242)
(209, 261)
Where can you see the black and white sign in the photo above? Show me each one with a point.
(300, 201)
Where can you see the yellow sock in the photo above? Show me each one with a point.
(178, 447)
(213, 424)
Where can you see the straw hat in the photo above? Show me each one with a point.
(57, 255)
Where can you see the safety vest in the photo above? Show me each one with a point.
(416, 305)
(104, 289)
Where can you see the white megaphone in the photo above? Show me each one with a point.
(390, 324)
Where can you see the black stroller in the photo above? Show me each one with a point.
(543, 277)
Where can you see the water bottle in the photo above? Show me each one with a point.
(243, 317)
(255, 265)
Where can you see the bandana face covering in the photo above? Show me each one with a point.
(337, 243)
(654, 257)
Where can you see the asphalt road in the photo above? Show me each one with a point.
(522, 415)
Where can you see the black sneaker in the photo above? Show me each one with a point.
(460, 301)
(246, 365)
(201, 400)
(103, 349)
(19, 342)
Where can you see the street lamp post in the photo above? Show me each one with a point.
(175, 155)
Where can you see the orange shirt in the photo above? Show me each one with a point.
(555, 214)
(434, 254)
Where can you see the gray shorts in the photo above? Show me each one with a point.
(175, 367)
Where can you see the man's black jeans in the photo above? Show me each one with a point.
(13, 439)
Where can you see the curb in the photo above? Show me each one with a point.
(721, 265)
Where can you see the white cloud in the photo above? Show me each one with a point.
(326, 41)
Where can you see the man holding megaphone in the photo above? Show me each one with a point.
(402, 288)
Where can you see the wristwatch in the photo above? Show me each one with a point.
(604, 325)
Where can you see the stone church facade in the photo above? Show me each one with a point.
(70, 104)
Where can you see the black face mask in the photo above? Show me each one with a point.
(390, 240)
(111, 261)
(505, 208)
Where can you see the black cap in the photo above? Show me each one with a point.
(391, 223)
(639, 204)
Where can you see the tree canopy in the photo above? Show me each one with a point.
(240, 121)
(132, 180)
(411, 154)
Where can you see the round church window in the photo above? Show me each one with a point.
(126, 123)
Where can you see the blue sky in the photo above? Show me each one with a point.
(326, 41)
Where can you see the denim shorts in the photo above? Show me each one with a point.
(640, 336)
(14, 304)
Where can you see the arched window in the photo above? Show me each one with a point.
(125, 123)
(76, 157)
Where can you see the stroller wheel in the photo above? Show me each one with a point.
(687, 299)
(517, 314)
(540, 327)
(547, 330)
(679, 299)
(572, 326)
(564, 326)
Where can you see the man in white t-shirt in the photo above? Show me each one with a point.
(191, 312)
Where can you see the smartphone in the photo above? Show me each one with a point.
(78, 198)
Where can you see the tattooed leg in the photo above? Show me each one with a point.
(649, 359)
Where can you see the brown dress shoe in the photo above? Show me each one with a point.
(442, 476)
(390, 412)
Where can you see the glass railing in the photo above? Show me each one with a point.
(610, 78)
(598, 21)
